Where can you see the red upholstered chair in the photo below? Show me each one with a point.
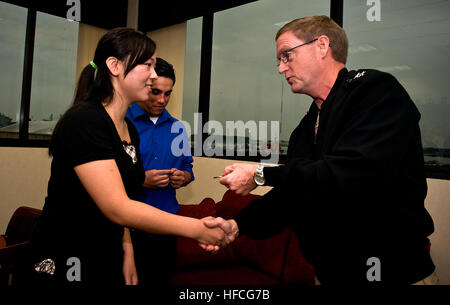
(271, 261)
(279, 256)
(15, 244)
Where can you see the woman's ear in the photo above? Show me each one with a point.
(114, 65)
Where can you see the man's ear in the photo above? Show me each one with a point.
(324, 44)
(114, 65)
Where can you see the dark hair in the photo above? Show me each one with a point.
(163, 68)
(308, 28)
(94, 85)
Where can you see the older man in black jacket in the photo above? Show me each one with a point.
(353, 186)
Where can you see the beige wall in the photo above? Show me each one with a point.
(23, 180)
(88, 37)
(438, 205)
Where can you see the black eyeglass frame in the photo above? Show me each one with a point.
(285, 53)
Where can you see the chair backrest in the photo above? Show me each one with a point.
(22, 224)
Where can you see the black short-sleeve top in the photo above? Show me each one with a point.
(71, 224)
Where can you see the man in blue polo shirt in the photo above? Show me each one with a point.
(166, 171)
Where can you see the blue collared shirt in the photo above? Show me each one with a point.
(157, 153)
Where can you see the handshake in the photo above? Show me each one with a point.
(218, 233)
(238, 178)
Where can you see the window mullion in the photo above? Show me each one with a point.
(27, 75)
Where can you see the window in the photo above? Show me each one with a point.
(409, 39)
(191, 85)
(246, 88)
(13, 20)
(54, 73)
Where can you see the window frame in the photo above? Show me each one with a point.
(336, 13)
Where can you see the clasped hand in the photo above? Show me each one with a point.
(159, 178)
(227, 232)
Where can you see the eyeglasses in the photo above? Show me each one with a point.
(285, 55)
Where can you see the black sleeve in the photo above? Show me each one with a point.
(264, 217)
(85, 135)
(273, 175)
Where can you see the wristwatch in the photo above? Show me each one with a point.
(259, 175)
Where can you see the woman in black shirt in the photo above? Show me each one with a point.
(82, 236)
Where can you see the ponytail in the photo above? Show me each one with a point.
(84, 83)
